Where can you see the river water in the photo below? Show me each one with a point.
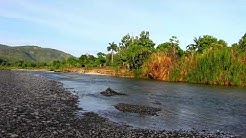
(183, 106)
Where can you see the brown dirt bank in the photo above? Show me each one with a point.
(31, 106)
(108, 71)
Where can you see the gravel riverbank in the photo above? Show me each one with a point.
(31, 106)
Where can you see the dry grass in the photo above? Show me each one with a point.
(159, 64)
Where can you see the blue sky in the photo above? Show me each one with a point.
(87, 26)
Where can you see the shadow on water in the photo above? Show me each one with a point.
(183, 106)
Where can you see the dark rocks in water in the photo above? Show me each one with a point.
(140, 109)
(110, 92)
(32, 107)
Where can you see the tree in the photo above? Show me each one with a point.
(175, 50)
(145, 41)
(112, 47)
(125, 42)
(194, 47)
(204, 42)
(139, 50)
(72, 61)
(171, 47)
(100, 54)
(174, 40)
(101, 58)
(242, 43)
(87, 60)
(164, 47)
(56, 64)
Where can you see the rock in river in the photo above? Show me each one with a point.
(34, 107)
(110, 92)
(140, 109)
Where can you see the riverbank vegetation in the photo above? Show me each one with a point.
(208, 60)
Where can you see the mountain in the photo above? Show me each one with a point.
(30, 54)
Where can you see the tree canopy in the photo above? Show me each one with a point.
(207, 60)
(202, 43)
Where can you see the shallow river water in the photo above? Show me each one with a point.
(183, 106)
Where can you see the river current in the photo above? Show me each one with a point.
(183, 106)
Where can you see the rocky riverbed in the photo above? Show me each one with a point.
(31, 106)
(140, 109)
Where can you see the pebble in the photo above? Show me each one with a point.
(140, 109)
(32, 106)
(14, 136)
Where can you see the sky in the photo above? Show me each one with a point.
(87, 26)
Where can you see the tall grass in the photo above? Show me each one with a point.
(217, 65)
(182, 67)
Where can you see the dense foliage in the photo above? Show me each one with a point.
(208, 60)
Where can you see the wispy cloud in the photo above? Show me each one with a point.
(94, 23)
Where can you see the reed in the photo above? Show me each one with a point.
(217, 65)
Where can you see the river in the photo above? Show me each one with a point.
(183, 106)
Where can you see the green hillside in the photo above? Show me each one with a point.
(30, 54)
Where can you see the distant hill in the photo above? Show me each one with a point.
(30, 54)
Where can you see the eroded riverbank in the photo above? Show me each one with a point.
(32, 106)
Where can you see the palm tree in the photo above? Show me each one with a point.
(195, 46)
(112, 47)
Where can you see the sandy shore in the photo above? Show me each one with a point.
(31, 106)
(93, 71)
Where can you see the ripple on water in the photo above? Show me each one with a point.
(183, 106)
